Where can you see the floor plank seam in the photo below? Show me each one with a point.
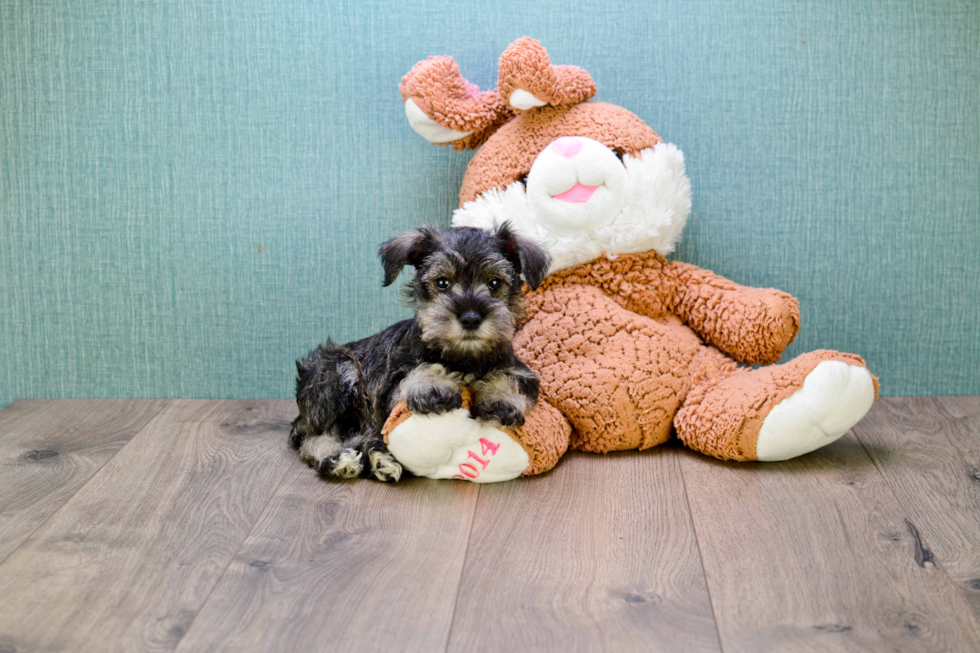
(462, 568)
(923, 538)
(79, 489)
(231, 559)
(697, 542)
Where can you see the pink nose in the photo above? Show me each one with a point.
(567, 146)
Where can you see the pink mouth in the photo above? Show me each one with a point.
(577, 194)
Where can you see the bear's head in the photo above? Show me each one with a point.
(581, 178)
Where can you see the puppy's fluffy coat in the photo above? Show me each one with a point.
(468, 300)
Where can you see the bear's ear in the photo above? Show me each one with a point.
(407, 249)
(445, 109)
(530, 261)
(526, 78)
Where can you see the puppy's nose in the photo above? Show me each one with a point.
(470, 319)
(567, 146)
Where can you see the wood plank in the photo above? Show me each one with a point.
(127, 562)
(816, 554)
(343, 566)
(600, 554)
(49, 448)
(928, 449)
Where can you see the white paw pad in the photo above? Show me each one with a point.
(454, 445)
(834, 397)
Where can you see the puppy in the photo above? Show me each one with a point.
(468, 302)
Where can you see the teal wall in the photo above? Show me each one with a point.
(192, 191)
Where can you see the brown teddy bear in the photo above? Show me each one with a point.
(629, 346)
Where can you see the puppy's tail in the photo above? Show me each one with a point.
(326, 391)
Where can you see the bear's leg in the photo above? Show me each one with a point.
(545, 435)
(776, 412)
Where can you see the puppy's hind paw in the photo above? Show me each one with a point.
(346, 464)
(384, 467)
(295, 438)
(300, 429)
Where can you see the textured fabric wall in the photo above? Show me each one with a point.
(192, 192)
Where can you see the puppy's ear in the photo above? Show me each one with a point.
(407, 249)
(530, 261)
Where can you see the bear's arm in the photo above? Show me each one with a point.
(752, 325)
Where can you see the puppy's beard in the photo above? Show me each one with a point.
(441, 330)
(497, 327)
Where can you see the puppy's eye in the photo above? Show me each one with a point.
(619, 155)
(495, 284)
(523, 181)
(442, 283)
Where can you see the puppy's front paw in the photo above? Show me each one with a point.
(434, 400)
(503, 412)
(384, 467)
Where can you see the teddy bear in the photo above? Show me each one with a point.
(631, 348)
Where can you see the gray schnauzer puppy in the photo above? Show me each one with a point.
(468, 301)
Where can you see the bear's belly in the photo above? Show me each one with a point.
(617, 376)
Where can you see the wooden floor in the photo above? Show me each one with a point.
(190, 526)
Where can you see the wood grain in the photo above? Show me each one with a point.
(343, 566)
(127, 562)
(197, 535)
(816, 554)
(928, 449)
(51, 448)
(598, 555)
